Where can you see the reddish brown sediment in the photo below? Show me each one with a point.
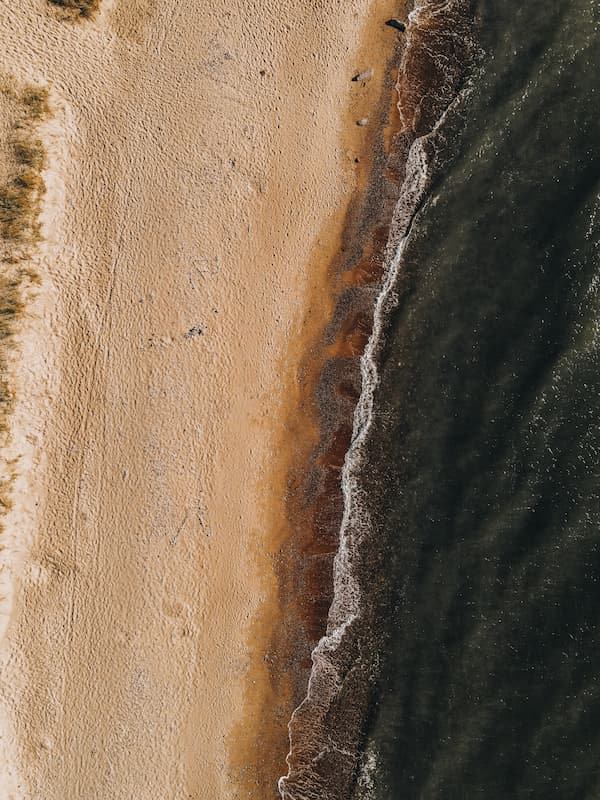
(369, 269)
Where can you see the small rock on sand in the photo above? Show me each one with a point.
(395, 23)
(363, 76)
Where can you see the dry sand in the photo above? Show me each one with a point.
(201, 158)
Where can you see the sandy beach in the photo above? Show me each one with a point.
(200, 161)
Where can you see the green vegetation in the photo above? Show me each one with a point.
(80, 8)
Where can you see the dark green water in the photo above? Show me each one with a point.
(485, 442)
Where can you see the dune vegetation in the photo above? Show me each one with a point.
(79, 8)
(22, 192)
(21, 196)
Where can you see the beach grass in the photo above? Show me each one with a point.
(35, 103)
(81, 8)
(11, 310)
(21, 197)
(22, 193)
(20, 201)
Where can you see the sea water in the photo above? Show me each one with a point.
(462, 657)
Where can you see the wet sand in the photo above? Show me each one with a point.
(200, 166)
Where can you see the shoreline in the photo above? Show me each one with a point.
(327, 727)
